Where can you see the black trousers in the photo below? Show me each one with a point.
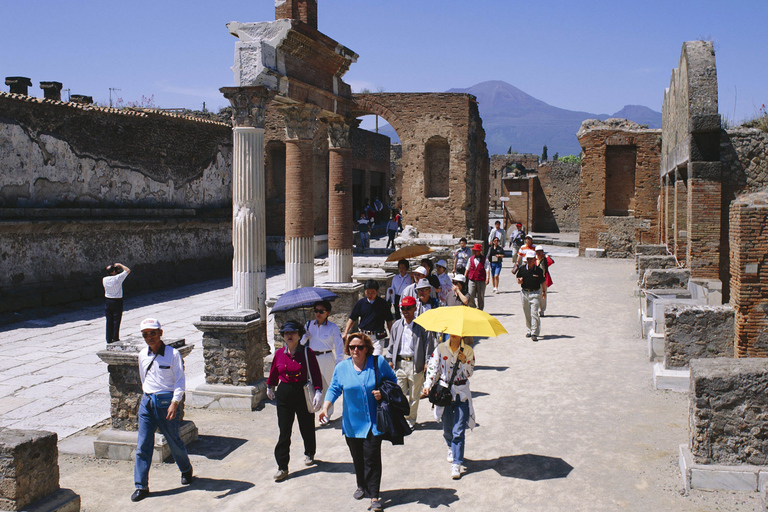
(291, 403)
(366, 457)
(113, 310)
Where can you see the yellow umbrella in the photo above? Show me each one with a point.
(409, 251)
(461, 321)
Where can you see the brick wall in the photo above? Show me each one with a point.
(598, 140)
(499, 163)
(749, 273)
(417, 118)
(556, 210)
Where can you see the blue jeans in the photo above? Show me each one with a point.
(363, 239)
(150, 419)
(455, 420)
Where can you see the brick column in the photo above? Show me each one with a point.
(704, 204)
(249, 276)
(300, 128)
(340, 221)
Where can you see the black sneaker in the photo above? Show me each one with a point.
(187, 477)
(358, 494)
(139, 494)
(527, 335)
(534, 338)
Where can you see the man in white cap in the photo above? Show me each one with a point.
(530, 277)
(424, 300)
(417, 275)
(162, 380)
(445, 281)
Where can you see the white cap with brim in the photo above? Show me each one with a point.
(423, 283)
(539, 248)
(150, 323)
(420, 270)
(442, 263)
(530, 254)
(459, 277)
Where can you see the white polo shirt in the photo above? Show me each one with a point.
(166, 374)
(113, 285)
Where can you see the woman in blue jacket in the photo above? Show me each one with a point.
(355, 378)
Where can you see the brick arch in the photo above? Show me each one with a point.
(454, 117)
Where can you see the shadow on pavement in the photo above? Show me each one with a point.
(433, 497)
(525, 467)
(494, 368)
(561, 316)
(324, 467)
(208, 484)
(477, 394)
(555, 337)
(215, 447)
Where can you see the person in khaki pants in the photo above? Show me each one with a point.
(410, 346)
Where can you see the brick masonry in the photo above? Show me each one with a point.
(749, 273)
(424, 120)
(607, 148)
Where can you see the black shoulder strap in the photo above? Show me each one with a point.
(150, 366)
(376, 371)
(455, 369)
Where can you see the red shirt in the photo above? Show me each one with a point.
(294, 369)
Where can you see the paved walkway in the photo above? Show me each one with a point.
(569, 423)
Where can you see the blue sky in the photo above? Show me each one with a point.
(595, 56)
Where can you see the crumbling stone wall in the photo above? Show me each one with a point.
(500, 163)
(694, 332)
(599, 224)
(749, 273)
(417, 118)
(60, 154)
(727, 411)
(557, 209)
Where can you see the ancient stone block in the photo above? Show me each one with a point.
(665, 278)
(728, 416)
(643, 263)
(29, 467)
(694, 332)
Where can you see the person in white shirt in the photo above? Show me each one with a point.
(113, 303)
(324, 338)
(411, 346)
(417, 275)
(162, 379)
(497, 232)
(399, 283)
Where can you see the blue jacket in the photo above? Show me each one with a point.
(359, 416)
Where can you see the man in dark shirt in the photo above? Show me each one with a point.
(530, 277)
(371, 312)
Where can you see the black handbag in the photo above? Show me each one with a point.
(441, 396)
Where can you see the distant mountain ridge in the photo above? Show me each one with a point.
(514, 118)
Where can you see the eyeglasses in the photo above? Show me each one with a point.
(320, 311)
(356, 347)
(408, 308)
(150, 334)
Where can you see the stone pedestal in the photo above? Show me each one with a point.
(119, 443)
(233, 347)
(383, 278)
(349, 294)
(29, 473)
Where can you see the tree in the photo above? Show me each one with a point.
(544, 153)
(557, 155)
(509, 151)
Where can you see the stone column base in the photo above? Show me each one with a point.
(63, 500)
(228, 397)
(716, 477)
(116, 444)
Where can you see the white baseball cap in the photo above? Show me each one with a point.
(420, 270)
(423, 283)
(150, 323)
(530, 254)
(458, 277)
(539, 248)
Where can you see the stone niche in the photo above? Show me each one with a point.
(695, 332)
(728, 414)
(29, 473)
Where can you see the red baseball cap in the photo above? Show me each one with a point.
(408, 301)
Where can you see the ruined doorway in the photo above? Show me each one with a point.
(620, 163)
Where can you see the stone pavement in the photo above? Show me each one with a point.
(568, 423)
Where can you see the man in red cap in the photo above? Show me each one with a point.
(478, 275)
(410, 347)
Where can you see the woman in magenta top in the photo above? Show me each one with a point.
(289, 369)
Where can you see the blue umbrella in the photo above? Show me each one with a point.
(302, 297)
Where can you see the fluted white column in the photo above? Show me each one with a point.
(249, 272)
(340, 265)
(299, 262)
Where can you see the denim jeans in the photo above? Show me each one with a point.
(455, 421)
(364, 239)
(151, 419)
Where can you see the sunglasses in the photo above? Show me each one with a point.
(356, 347)
(408, 308)
(320, 311)
(149, 334)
